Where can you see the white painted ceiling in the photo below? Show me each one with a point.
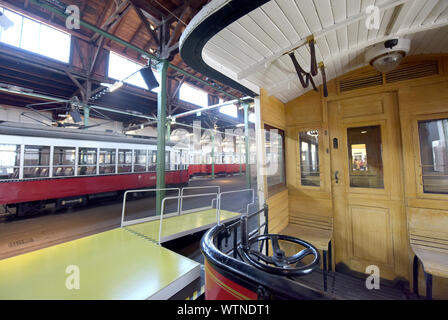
(251, 50)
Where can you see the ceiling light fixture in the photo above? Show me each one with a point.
(117, 85)
(387, 56)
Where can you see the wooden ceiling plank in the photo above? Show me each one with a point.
(309, 12)
(436, 12)
(423, 14)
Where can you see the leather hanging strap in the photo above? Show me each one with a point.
(300, 72)
(324, 78)
(313, 65)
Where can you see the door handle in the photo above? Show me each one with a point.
(336, 176)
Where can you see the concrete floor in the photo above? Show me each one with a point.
(36, 232)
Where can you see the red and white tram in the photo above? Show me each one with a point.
(41, 165)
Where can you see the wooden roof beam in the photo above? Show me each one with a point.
(173, 16)
(113, 19)
(175, 35)
(146, 23)
(146, 8)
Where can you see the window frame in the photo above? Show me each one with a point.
(273, 189)
(417, 157)
(18, 159)
(49, 166)
(64, 166)
(299, 162)
(350, 157)
(324, 156)
(20, 40)
(82, 165)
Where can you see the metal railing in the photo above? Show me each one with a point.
(231, 192)
(196, 188)
(179, 213)
(135, 221)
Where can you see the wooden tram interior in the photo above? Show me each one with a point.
(361, 152)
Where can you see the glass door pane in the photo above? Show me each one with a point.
(365, 157)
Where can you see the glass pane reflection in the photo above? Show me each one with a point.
(365, 157)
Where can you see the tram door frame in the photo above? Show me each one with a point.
(370, 227)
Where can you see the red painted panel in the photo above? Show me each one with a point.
(32, 190)
(194, 169)
(220, 168)
(218, 287)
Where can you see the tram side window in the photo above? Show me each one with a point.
(107, 161)
(124, 161)
(309, 158)
(140, 161)
(64, 161)
(433, 136)
(152, 160)
(87, 161)
(9, 161)
(36, 162)
(167, 161)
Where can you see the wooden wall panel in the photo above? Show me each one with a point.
(310, 205)
(272, 111)
(278, 211)
(273, 114)
(304, 109)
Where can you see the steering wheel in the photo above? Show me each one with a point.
(279, 263)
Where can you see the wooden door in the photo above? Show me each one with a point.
(367, 188)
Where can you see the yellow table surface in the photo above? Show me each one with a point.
(178, 226)
(116, 264)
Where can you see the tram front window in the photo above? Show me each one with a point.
(64, 161)
(9, 161)
(36, 162)
(433, 136)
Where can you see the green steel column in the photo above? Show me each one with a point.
(161, 135)
(213, 154)
(86, 116)
(246, 128)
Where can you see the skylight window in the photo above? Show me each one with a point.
(230, 110)
(36, 37)
(120, 68)
(195, 96)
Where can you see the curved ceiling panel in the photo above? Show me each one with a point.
(213, 18)
(249, 43)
